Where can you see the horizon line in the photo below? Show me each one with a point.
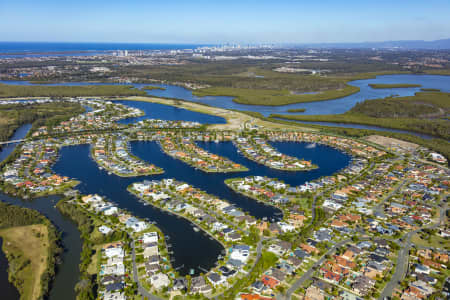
(228, 42)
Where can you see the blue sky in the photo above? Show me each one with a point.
(213, 21)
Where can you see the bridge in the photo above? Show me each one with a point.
(11, 142)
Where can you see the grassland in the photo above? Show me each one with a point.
(269, 97)
(31, 244)
(17, 91)
(393, 86)
(26, 248)
(433, 241)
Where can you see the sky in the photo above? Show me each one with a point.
(230, 21)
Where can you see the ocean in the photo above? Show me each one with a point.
(26, 48)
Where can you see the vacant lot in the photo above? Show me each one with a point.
(26, 248)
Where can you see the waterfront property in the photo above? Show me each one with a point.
(111, 152)
(185, 149)
(337, 227)
(257, 149)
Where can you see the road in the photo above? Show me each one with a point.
(142, 291)
(379, 208)
(12, 142)
(308, 274)
(313, 206)
(403, 255)
(204, 208)
(259, 248)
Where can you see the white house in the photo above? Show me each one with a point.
(117, 251)
(111, 211)
(150, 237)
(159, 281)
(286, 227)
(104, 229)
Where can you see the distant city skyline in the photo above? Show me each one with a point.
(214, 22)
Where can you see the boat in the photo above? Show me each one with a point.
(196, 229)
(311, 146)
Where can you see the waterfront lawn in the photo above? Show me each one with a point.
(94, 265)
(27, 249)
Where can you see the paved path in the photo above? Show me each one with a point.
(379, 208)
(259, 248)
(142, 291)
(403, 254)
(308, 274)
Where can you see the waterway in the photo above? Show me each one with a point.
(334, 106)
(19, 134)
(9, 291)
(195, 250)
(191, 250)
(167, 112)
(67, 273)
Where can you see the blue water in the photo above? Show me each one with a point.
(27, 48)
(167, 112)
(191, 249)
(19, 134)
(67, 275)
(179, 92)
(8, 289)
(335, 106)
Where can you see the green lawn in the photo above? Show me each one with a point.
(27, 249)
(434, 241)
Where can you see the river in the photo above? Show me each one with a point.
(334, 106)
(67, 273)
(19, 134)
(327, 107)
(9, 291)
